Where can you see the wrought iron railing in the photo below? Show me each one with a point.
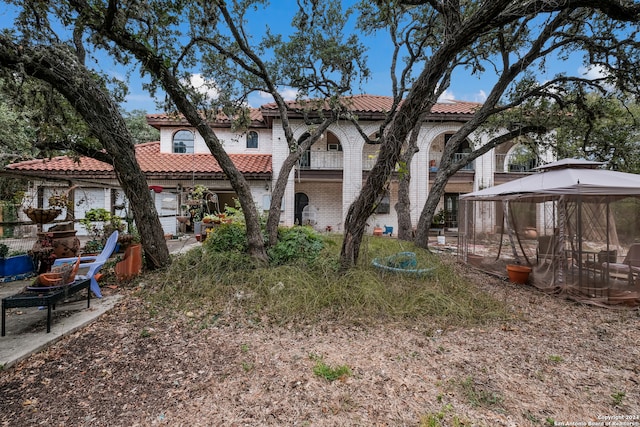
(509, 163)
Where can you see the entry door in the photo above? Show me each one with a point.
(301, 200)
(451, 206)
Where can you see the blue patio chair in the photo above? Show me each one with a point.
(388, 230)
(94, 263)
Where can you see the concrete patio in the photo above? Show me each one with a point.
(26, 331)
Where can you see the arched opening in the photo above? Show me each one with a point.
(370, 153)
(521, 158)
(327, 152)
(301, 201)
(437, 148)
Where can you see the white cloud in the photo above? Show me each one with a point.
(447, 95)
(593, 72)
(205, 87)
(289, 94)
(480, 96)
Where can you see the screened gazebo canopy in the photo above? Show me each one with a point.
(573, 223)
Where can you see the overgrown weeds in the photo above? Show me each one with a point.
(328, 372)
(306, 290)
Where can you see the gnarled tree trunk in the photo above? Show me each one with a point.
(58, 66)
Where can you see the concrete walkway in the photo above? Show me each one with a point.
(26, 330)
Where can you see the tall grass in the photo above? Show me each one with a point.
(228, 283)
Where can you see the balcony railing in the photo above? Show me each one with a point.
(437, 157)
(508, 163)
(334, 160)
(318, 160)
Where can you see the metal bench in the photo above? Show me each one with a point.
(44, 297)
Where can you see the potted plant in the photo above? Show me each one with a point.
(58, 201)
(439, 219)
(100, 223)
(14, 263)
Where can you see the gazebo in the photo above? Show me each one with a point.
(575, 225)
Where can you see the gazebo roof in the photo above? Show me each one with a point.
(565, 177)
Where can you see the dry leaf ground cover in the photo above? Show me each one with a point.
(548, 361)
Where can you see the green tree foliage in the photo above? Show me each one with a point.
(601, 128)
(15, 139)
(140, 130)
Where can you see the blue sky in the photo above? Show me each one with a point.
(463, 86)
(379, 49)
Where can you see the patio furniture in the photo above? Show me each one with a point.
(629, 268)
(94, 263)
(45, 296)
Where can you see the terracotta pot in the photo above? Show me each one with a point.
(42, 216)
(183, 219)
(518, 273)
(65, 244)
(131, 263)
(530, 233)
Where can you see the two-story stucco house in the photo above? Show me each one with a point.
(325, 182)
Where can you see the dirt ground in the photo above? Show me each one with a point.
(556, 362)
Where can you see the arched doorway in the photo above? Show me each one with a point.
(301, 200)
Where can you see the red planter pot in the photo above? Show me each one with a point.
(131, 263)
(518, 273)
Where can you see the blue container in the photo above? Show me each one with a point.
(16, 265)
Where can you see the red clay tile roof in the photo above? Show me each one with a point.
(381, 104)
(222, 120)
(153, 163)
(365, 106)
(61, 163)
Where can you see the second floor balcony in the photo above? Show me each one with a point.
(322, 160)
(334, 160)
(436, 158)
(513, 164)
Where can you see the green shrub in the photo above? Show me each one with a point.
(227, 238)
(295, 243)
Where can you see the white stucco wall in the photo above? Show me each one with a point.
(325, 196)
(233, 142)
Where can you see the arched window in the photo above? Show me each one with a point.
(183, 142)
(252, 139)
